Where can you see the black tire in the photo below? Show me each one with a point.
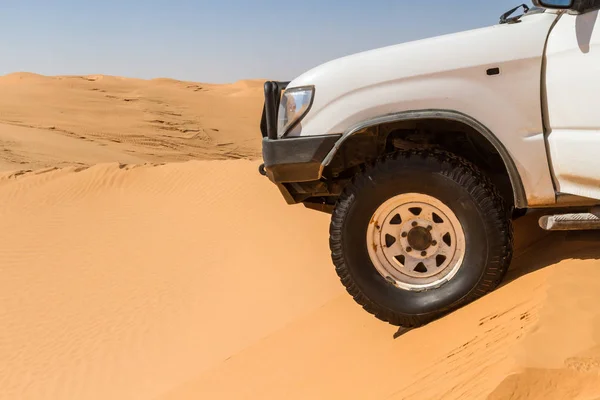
(461, 186)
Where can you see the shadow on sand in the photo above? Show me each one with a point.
(536, 249)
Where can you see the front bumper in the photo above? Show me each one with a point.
(294, 164)
(296, 159)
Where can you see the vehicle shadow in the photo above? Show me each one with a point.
(536, 249)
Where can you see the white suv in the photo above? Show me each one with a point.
(424, 152)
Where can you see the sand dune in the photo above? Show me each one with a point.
(128, 276)
(158, 120)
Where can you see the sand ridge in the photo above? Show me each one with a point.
(124, 119)
(126, 275)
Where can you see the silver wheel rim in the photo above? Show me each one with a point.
(416, 242)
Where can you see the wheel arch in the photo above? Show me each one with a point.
(519, 196)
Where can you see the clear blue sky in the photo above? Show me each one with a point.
(217, 40)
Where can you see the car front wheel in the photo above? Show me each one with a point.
(419, 234)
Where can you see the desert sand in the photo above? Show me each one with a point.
(149, 260)
(84, 120)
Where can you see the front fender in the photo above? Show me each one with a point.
(520, 199)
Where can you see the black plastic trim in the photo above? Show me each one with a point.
(296, 159)
(493, 71)
(520, 198)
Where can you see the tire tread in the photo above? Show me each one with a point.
(483, 193)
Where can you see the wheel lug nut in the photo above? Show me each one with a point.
(415, 223)
(404, 234)
(423, 253)
(409, 249)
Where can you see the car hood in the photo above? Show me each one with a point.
(489, 46)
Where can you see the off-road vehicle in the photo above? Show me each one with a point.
(424, 153)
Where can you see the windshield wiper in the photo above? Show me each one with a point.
(504, 19)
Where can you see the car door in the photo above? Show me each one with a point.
(572, 91)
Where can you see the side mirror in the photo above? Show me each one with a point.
(555, 4)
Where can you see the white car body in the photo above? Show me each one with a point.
(549, 64)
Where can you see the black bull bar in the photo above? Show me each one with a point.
(268, 123)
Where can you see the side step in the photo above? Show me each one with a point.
(570, 222)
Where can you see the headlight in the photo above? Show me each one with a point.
(295, 103)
